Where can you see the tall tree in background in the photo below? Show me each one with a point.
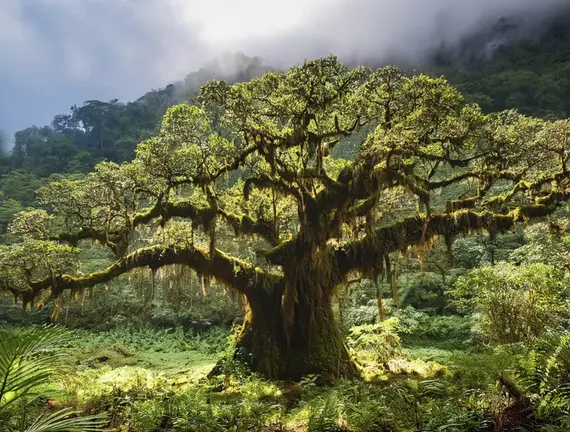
(255, 158)
(4, 142)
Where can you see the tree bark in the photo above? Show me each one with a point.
(313, 345)
(381, 313)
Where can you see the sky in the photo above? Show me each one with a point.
(57, 53)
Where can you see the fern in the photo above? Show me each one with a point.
(323, 416)
(547, 379)
(27, 361)
(65, 420)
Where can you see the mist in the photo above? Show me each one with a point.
(404, 31)
(56, 53)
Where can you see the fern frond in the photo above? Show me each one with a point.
(67, 420)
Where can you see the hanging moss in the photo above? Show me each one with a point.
(290, 328)
(56, 310)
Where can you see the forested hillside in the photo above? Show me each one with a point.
(529, 72)
(531, 75)
(321, 249)
(100, 130)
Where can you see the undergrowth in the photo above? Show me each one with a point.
(159, 380)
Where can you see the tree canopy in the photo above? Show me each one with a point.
(255, 158)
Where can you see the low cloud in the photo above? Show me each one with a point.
(55, 53)
(408, 30)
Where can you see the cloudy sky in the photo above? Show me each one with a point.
(56, 53)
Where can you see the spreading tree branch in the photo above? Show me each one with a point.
(368, 253)
(237, 274)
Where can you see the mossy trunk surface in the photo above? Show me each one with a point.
(283, 343)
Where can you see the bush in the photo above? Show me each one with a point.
(445, 328)
(410, 320)
(375, 343)
(419, 326)
(361, 315)
(426, 294)
(513, 304)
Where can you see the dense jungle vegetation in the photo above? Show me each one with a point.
(326, 248)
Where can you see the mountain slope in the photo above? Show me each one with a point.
(514, 66)
(506, 66)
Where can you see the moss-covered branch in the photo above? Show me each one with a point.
(233, 272)
(368, 254)
(200, 216)
(247, 226)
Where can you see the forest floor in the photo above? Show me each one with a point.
(156, 380)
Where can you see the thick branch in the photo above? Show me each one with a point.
(367, 254)
(246, 225)
(200, 216)
(235, 273)
(165, 210)
(84, 233)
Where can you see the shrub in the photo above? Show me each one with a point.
(426, 293)
(419, 326)
(513, 304)
(375, 343)
(448, 328)
(410, 320)
(361, 315)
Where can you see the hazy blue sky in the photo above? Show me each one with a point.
(56, 53)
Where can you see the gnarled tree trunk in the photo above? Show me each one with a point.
(311, 345)
(291, 331)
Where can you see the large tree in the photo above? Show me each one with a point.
(256, 158)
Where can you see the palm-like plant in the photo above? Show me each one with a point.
(27, 361)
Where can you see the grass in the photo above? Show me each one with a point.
(170, 352)
(156, 381)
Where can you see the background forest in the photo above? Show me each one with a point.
(462, 335)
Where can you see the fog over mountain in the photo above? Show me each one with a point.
(55, 53)
(405, 30)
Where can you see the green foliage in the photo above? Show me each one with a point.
(173, 340)
(361, 315)
(375, 343)
(372, 415)
(449, 330)
(514, 303)
(545, 379)
(427, 293)
(65, 421)
(131, 304)
(165, 394)
(324, 415)
(21, 263)
(410, 320)
(529, 74)
(543, 246)
(27, 362)
(20, 186)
